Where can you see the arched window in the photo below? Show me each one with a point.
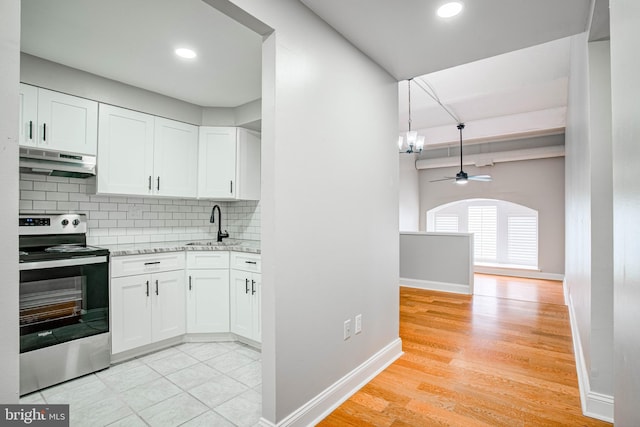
(505, 233)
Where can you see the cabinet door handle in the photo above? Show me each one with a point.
(158, 182)
(30, 129)
(189, 282)
(246, 286)
(151, 263)
(157, 288)
(253, 289)
(44, 132)
(149, 182)
(250, 262)
(231, 187)
(147, 288)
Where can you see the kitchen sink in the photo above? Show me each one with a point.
(212, 243)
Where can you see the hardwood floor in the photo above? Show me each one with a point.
(534, 290)
(474, 361)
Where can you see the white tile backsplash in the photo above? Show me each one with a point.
(118, 219)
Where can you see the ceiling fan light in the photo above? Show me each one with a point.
(449, 10)
(461, 181)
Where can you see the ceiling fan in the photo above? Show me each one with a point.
(462, 177)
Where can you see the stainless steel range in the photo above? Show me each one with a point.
(64, 301)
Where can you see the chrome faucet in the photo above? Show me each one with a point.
(212, 220)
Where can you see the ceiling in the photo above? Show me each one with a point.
(133, 42)
(501, 66)
(516, 94)
(408, 39)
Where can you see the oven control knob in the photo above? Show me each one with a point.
(65, 222)
(76, 222)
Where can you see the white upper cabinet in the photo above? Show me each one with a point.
(217, 162)
(56, 121)
(175, 158)
(248, 165)
(28, 136)
(229, 164)
(125, 152)
(140, 154)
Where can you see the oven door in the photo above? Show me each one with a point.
(63, 300)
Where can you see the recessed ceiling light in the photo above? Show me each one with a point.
(449, 10)
(185, 53)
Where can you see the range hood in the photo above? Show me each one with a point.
(55, 163)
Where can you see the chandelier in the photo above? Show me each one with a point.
(414, 142)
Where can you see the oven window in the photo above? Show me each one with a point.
(63, 304)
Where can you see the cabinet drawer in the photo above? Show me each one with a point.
(151, 263)
(246, 261)
(207, 259)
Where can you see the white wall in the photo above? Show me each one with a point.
(217, 116)
(625, 69)
(54, 76)
(9, 77)
(248, 113)
(124, 220)
(578, 193)
(601, 217)
(409, 194)
(589, 234)
(537, 184)
(437, 261)
(329, 207)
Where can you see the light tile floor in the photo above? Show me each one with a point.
(192, 384)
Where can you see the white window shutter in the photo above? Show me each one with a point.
(505, 233)
(483, 223)
(522, 240)
(446, 224)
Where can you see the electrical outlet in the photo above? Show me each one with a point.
(358, 328)
(347, 328)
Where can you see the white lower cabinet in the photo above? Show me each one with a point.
(246, 290)
(168, 305)
(207, 292)
(130, 313)
(164, 295)
(147, 307)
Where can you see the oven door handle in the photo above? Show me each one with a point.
(62, 263)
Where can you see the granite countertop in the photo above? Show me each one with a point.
(250, 246)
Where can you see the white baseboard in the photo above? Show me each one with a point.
(514, 272)
(145, 349)
(327, 401)
(255, 344)
(209, 337)
(594, 405)
(186, 338)
(437, 286)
